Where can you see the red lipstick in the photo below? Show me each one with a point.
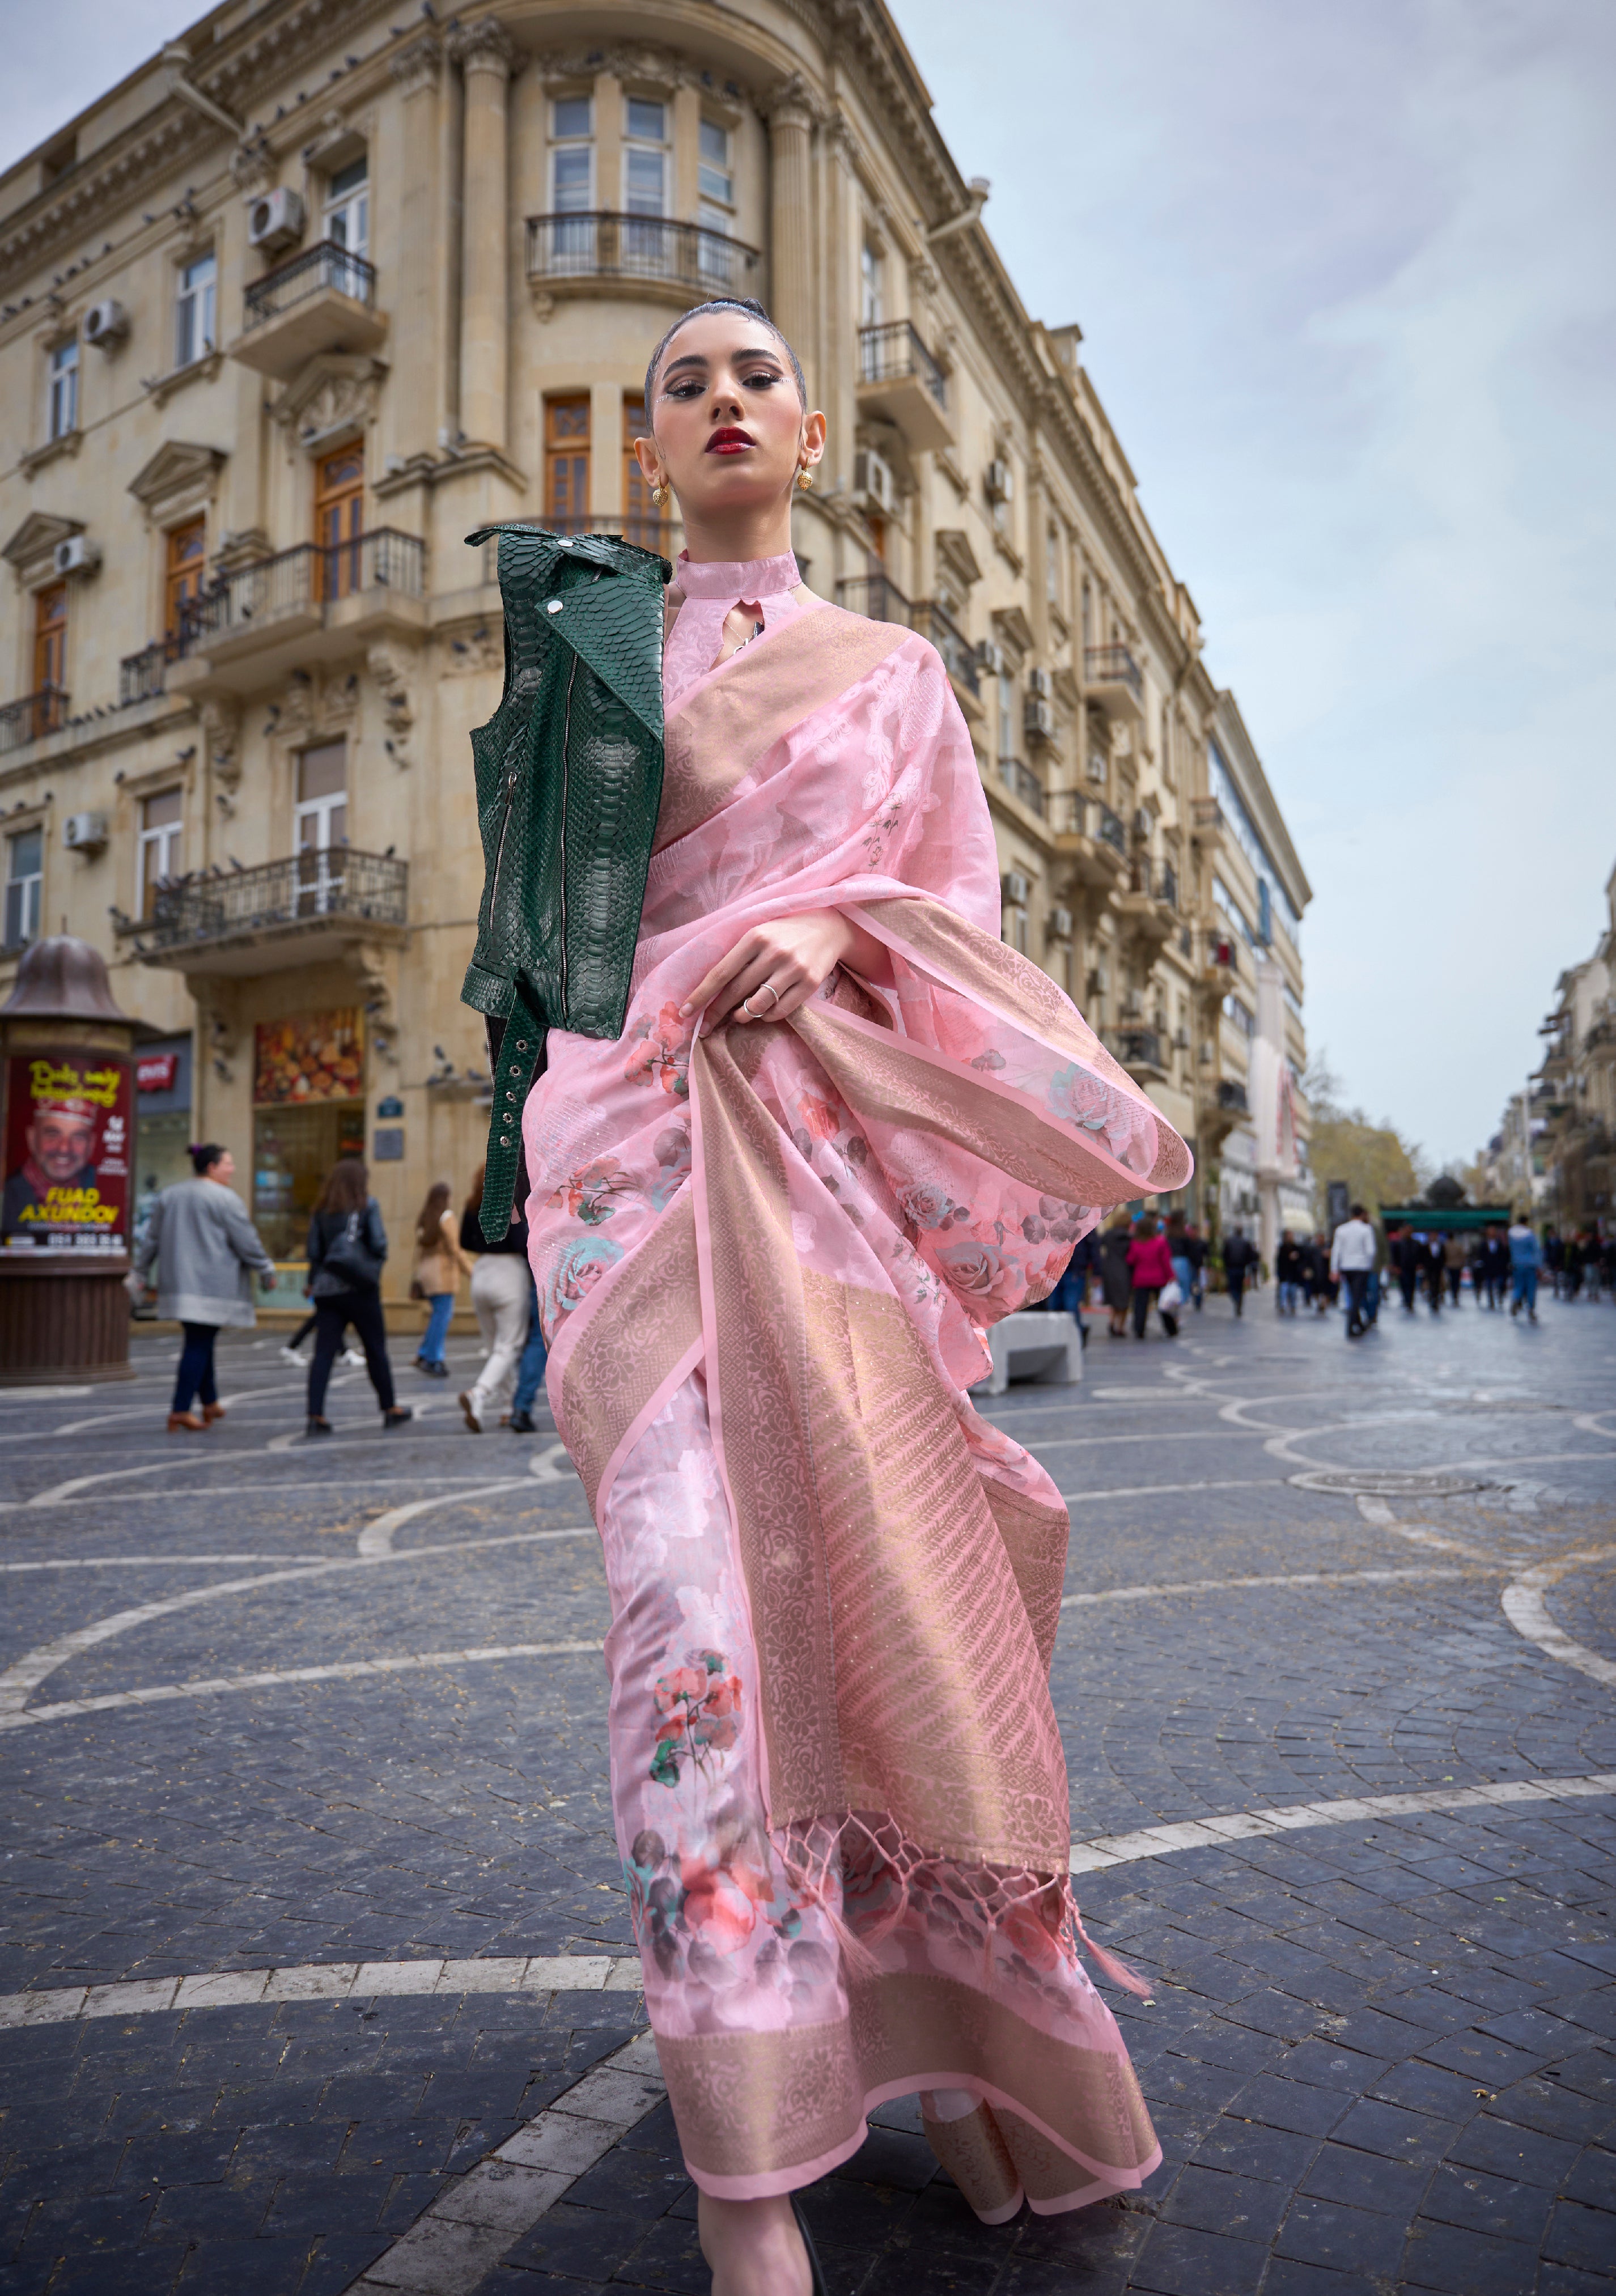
(729, 441)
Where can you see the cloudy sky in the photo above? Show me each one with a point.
(1345, 274)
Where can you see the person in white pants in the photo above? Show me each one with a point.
(502, 1292)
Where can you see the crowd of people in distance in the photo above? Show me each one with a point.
(199, 1250)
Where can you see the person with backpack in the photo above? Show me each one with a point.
(346, 1249)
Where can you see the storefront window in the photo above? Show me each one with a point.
(309, 1091)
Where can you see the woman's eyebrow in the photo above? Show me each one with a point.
(687, 358)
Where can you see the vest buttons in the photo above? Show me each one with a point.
(553, 607)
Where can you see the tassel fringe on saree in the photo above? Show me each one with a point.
(765, 1258)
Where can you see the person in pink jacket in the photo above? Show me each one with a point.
(1150, 1264)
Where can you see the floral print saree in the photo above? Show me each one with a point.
(765, 1258)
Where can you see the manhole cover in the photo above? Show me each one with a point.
(1388, 1483)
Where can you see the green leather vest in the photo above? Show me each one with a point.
(569, 773)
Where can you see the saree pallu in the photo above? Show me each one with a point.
(765, 1258)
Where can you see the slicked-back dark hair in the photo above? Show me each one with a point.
(753, 310)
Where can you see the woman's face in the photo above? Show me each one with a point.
(728, 431)
(224, 1171)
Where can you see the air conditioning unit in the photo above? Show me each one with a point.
(999, 479)
(1037, 716)
(872, 479)
(1142, 823)
(275, 220)
(1096, 765)
(85, 833)
(77, 555)
(1038, 682)
(1133, 1006)
(990, 659)
(1060, 924)
(1181, 1040)
(1016, 888)
(105, 325)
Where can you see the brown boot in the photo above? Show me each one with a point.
(187, 1419)
(210, 1411)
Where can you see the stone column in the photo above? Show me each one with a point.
(488, 57)
(420, 255)
(790, 128)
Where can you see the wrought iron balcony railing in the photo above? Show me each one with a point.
(311, 576)
(1140, 1048)
(328, 265)
(1114, 665)
(1109, 830)
(879, 598)
(876, 597)
(1156, 878)
(140, 676)
(891, 352)
(335, 882)
(1232, 1095)
(32, 717)
(602, 243)
(1023, 781)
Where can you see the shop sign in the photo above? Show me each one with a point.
(310, 1059)
(68, 1117)
(391, 1106)
(157, 1072)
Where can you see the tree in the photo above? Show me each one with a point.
(1378, 1165)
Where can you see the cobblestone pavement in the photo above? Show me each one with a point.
(316, 1967)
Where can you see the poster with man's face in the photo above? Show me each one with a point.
(69, 1131)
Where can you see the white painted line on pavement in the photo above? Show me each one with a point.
(1528, 1612)
(377, 1538)
(150, 1562)
(1384, 1577)
(1245, 1825)
(1149, 1491)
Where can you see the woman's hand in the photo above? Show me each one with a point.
(793, 957)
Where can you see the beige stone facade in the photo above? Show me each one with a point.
(284, 319)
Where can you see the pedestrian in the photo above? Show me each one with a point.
(1436, 1273)
(501, 1287)
(1526, 1256)
(1195, 1252)
(1239, 1259)
(204, 1247)
(440, 1264)
(1574, 1258)
(1352, 1251)
(346, 1249)
(1492, 1266)
(308, 1323)
(1402, 1258)
(1553, 1249)
(1176, 1242)
(1456, 1253)
(1289, 1275)
(1150, 1263)
(1116, 1276)
(529, 1370)
(762, 1253)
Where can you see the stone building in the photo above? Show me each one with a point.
(307, 299)
(1575, 1089)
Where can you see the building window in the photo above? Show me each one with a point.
(567, 464)
(51, 639)
(572, 155)
(870, 286)
(715, 178)
(64, 389)
(643, 521)
(645, 158)
(195, 329)
(1235, 1011)
(159, 834)
(24, 879)
(1009, 732)
(184, 559)
(1052, 565)
(346, 222)
(320, 825)
(340, 518)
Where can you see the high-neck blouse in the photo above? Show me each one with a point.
(704, 592)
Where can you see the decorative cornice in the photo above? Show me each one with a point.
(484, 46)
(417, 65)
(647, 61)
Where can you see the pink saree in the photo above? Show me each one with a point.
(766, 1258)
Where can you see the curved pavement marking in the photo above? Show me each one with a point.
(552, 1464)
(153, 1411)
(377, 1538)
(36, 1394)
(1528, 1612)
(1384, 1577)
(1589, 1421)
(30, 1670)
(371, 1980)
(1245, 1825)
(1149, 1490)
(149, 1561)
(1378, 1511)
(270, 1678)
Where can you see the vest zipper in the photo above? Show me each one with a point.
(566, 739)
(499, 850)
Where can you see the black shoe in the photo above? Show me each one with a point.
(521, 1422)
(318, 1427)
(818, 2278)
(396, 1416)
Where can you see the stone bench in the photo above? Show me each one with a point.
(1037, 1345)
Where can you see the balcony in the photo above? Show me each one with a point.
(1232, 1096)
(313, 604)
(1023, 784)
(324, 299)
(1084, 829)
(32, 719)
(307, 909)
(900, 382)
(1115, 683)
(1139, 1050)
(879, 600)
(1206, 820)
(603, 252)
(142, 677)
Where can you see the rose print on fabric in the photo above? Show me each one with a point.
(700, 1704)
(588, 1193)
(982, 1273)
(578, 1269)
(662, 1054)
(928, 1206)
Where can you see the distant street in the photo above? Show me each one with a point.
(317, 1972)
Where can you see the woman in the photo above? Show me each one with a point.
(440, 1264)
(844, 1130)
(1177, 1246)
(346, 1249)
(502, 1293)
(1150, 1264)
(204, 1246)
(1116, 1276)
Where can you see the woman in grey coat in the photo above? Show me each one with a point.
(204, 1246)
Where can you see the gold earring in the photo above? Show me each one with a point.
(805, 478)
(659, 495)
